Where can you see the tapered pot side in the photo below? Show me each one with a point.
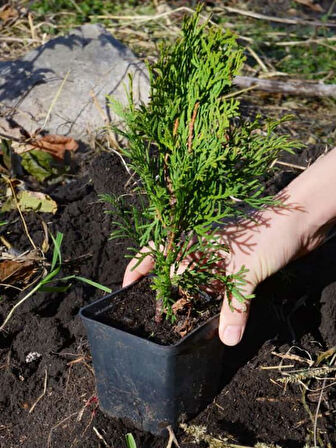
(149, 384)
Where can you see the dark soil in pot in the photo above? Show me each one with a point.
(250, 408)
(135, 313)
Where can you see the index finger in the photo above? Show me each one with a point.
(133, 273)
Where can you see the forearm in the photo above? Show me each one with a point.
(315, 191)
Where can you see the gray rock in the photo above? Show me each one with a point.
(94, 65)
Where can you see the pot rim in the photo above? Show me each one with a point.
(182, 341)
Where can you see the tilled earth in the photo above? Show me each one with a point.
(295, 307)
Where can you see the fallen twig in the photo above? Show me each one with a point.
(290, 87)
(317, 412)
(257, 58)
(57, 425)
(20, 39)
(286, 366)
(290, 165)
(20, 213)
(100, 437)
(144, 18)
(239, 92)
(310, 362)
(172, 438)
(42, 394)
(322, 41)
(55, 99)
(113, 140)
(294, 21)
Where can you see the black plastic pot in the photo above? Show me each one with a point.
(149, 384)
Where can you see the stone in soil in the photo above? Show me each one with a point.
(93, 65)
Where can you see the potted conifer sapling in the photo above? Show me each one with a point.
(197, 163)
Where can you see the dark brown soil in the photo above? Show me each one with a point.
(295, 305)
(134, 311)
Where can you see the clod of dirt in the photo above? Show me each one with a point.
(328, 314)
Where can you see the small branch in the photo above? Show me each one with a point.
(317, 412)
(43, 393)
(286, 366)
(293, 21)
(55, 99)
(158, 311)
(191, 127)
(239, 92)
(172, 438)
(331, 9)
(57, 425)
(31, 25)
(290, 165)
(257, 58)
(143, 18)
(289, 87)
(21, 40)
(170, 242)
(37, 287)
(113, 140)
(20, 213)
(294, 357)
(321, 41)
(175, 127)
(100, 437)
(7, 285)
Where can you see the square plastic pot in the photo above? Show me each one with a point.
(149, 384)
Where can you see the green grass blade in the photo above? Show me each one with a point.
(130, 442)
(88, 281)
(50, 276)
(57, 257)
(92, 283)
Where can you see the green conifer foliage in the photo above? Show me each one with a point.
(194, 158)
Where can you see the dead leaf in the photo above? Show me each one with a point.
(309, 3)
(7, 13)
(56, 145)
(13, 272)
(31, 201)
(182, 328)
(45, 243)
(180, 304)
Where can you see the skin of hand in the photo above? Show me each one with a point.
(270, 239)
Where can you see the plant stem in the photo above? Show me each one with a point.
(158, 311)
(191, 127)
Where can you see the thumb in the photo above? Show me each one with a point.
(133, 273)
(232, 321)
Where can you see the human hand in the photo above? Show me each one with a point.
(248, 243)
(268, 240)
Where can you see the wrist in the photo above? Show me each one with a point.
(276, 235)
(312, 197)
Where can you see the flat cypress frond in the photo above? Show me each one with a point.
(193, 154)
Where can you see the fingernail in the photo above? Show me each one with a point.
(232, 334)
